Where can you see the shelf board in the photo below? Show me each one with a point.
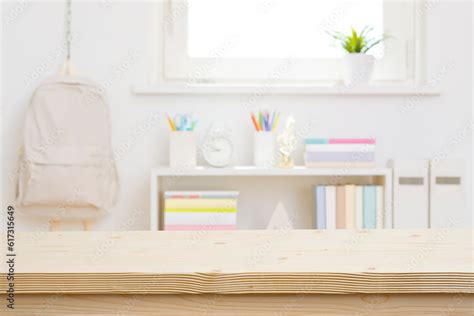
(329, 90)
(258, 171)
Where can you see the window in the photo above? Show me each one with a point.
(258, 40)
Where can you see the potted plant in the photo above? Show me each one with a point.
(358, 65)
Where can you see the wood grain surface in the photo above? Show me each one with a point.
(257, 304)
(244, 262)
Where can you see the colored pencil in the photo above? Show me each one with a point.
(255, 123)
(170, 122)
(272, 121)
(265, 121)
(277, 119)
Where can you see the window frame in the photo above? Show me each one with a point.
(400, 65)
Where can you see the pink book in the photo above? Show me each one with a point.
(200, 227)
(340, 207)
(182, 196)
(351, 141)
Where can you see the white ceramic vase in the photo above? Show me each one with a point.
(357, 69)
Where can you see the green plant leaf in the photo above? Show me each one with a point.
(354, 33)
(365, 30)
(337, 36)
(357, 43)
(372, 44)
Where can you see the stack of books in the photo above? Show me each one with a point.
(339, 152)
(200, 210)
(348, 206)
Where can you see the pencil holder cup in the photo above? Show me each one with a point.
(264, 149)
(182, 149)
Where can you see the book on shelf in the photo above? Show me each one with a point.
(320, 204)
(330, 206)
(349, 206)
(201, 194)
(340, 147)
(339, 152)
(370, 206)
(366, 141)
(340, 207)
(380, 214)
(198, 218)
(200, 210)
(201, 203)
(359, 207)
(347, 156)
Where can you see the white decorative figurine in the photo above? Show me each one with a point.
(287, 142)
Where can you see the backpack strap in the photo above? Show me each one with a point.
(67, 69)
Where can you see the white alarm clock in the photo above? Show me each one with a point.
(218, 149)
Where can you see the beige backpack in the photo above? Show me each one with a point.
(67, 168)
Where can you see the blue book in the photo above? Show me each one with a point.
(312, 141)
(320, 207)
(370, 206)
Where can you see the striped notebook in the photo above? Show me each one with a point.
(200, 210)
(339, 152)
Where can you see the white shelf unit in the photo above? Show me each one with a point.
(270, 182)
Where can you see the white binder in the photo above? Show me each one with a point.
(410, 193)
(448, 207)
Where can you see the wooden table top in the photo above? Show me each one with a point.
(237, 262)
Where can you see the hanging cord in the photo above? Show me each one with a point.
(68, 29)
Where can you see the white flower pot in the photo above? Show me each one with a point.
(357, 69)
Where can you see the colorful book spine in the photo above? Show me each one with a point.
(200, 210)
(201, 203)
(333, 156)
(340, 141)
(380, 216)
(359, 207)
(320, 207)
(370, 206)
(339, 151)
(330, 207)
(340, 207)
(200, 218)
(201, 194)
(349, 206)
(341, 147)
(200, 227)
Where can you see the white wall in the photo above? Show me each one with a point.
(112, 46)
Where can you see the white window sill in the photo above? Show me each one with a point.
(372, 90)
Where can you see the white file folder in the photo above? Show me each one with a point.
(448, 207)
(410, 193)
